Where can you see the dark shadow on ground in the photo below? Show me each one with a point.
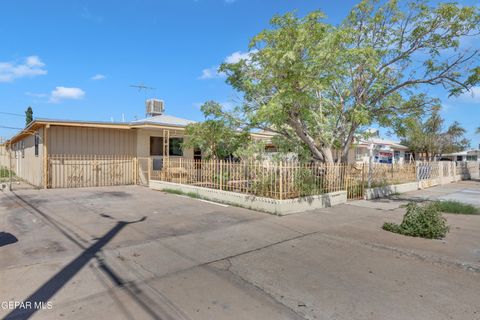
(7, 238)
(55, 283)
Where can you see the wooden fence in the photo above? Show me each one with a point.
(73, 171)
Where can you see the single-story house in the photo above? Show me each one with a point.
(157, 136)
(383, 151)
(467, 155)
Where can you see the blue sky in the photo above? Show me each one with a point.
(76, 59)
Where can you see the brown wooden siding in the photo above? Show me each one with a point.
(91, 141)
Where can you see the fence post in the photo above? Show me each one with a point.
(281, 180)
(221, 174)
(135, 168)
(149, 168)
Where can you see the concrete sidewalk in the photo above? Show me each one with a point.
(190, 259)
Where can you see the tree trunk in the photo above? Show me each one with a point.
(305, 137)
(327, 155)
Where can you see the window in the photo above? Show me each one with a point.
(37, 140)
(22, 144)
(396, 156)
(156, 146)
(175, 146)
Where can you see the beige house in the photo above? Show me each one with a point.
(46, 144)
(382, 151)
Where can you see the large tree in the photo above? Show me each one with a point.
(430, 138)
(216, 137)
(321, 85)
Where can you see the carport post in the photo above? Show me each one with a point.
(149, 169)
(45, 156)
(10, 167)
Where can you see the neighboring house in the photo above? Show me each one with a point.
(468, 155)
(156, 136)
(383, 151)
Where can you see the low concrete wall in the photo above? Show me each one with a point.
(278, 207)
(380, 192)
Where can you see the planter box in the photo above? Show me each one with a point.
(274, 206)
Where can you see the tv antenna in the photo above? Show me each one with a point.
(141, 86)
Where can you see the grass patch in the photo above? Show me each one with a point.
(5, 173)
(182, 193)
(456, 207)
(424, 221)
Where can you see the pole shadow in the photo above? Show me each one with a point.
(43, 294)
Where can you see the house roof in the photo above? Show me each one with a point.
(379, 141)
(165, 120)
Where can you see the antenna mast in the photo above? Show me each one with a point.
(142, 86)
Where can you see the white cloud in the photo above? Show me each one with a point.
(213, 73)
(98, 77)
(238, 55)
(64, 93)
(29, 67)
(473, 96)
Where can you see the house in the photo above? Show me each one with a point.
(157, 136)
(382, 150)
(467, 155)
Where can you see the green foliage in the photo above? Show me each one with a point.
(321, 85)
(5, 173)
(265, 185)
(429, 136)
(182, 193)
(420, 221)
(456, 207)
(252, 150)
(217, 138)
(305, 183)
(28, 116)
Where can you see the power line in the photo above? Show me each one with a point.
(13, 128)
(12, 114)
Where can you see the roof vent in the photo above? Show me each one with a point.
(155, 107)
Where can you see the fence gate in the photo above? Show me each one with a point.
(66, 171)
(355, 179)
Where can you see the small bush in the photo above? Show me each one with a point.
(420, 221)
(456, 207)
(5, 173)
(182, 193)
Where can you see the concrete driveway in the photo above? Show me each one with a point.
(463, 191)
(133, 253)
